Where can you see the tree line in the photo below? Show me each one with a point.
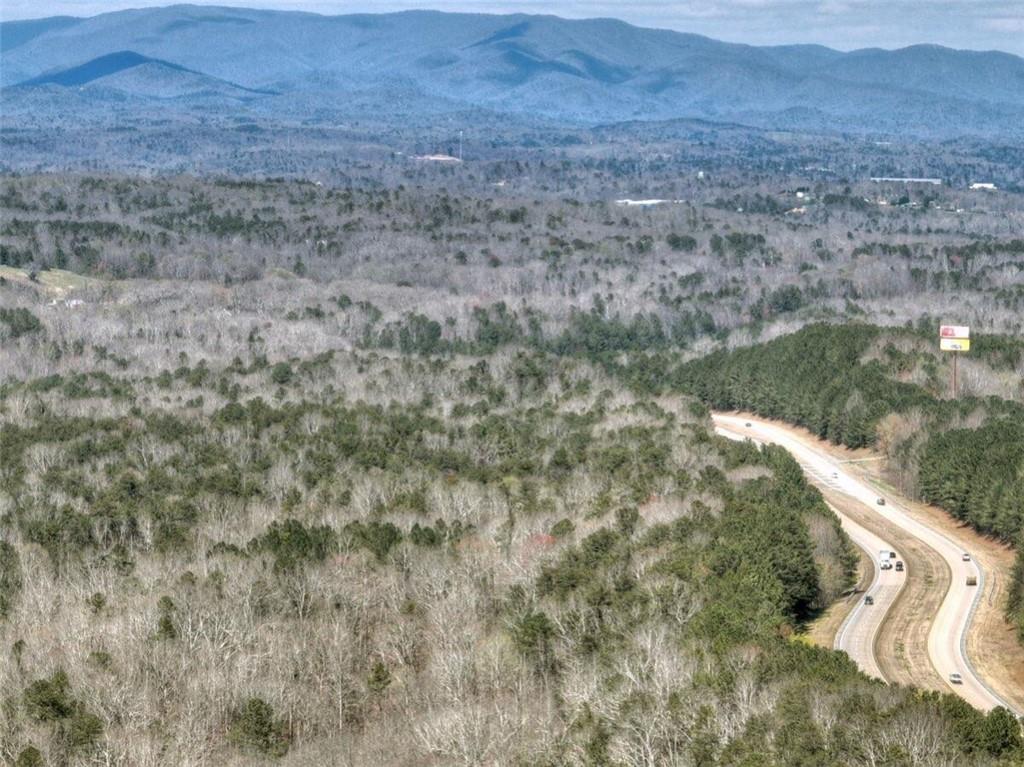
(817, 378)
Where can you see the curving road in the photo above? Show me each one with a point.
(948, 632)
(857, 635)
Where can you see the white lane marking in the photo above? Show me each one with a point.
(871, 544)
(842, 636)
(945, 657)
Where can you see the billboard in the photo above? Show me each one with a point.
(955, 344)
(954, 331)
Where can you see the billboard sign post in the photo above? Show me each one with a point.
(954, 338)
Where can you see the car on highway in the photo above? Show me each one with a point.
(835, 475)
(869, 600)
(880, 501)
(966, 557)
(955, 678)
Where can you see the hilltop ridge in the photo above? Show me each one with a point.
(582, 72)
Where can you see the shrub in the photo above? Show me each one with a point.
(580, 568)
(19, 322)
(562, 528)
(100, 659)
(425, 535)
(48, 700)
(681, 242)
(254, 728)
(379, 680)
(29, 757)
(96, 602)
(1001, 733)
(165, 628)
(84, 729)
(532, 634)
(10, 578)
(291, 543)
(377, 537)
(626, 519)
(281, 373)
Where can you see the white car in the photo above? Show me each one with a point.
(966, 557)
(955, 678)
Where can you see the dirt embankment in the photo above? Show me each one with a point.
(901, 646)
(992, 643)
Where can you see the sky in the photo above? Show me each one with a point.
(842, 24)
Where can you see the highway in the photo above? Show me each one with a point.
(856, 637)
(947, 635)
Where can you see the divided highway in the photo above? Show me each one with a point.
(948, 632)
(856, 637)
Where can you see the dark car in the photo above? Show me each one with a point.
(899, 567)
(869, 600)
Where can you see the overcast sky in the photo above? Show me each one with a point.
(843, 24)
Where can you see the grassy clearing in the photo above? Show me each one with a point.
(55, 281)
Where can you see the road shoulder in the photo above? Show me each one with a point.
(991, 642)
(823, 629)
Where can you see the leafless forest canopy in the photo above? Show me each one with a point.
(367, 467)
(707, 263)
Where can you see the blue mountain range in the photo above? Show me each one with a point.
(577, 71)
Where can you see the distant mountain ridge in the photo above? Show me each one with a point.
(106, 68)
(587, 71)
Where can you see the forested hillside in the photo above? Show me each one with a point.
(965, 455)
(714, 258)
(512, 557)
(322, 70)
(418, 468)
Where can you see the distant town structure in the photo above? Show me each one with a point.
(984, 185)
(906, 180)
(647, 203)
(436, 158)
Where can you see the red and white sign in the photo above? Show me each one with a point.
(954, 331)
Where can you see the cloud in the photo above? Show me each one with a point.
(832, 8)
(1011, 24)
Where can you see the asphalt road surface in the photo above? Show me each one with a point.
(947, 636)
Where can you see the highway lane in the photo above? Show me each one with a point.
(947, 635)
(859, 630)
